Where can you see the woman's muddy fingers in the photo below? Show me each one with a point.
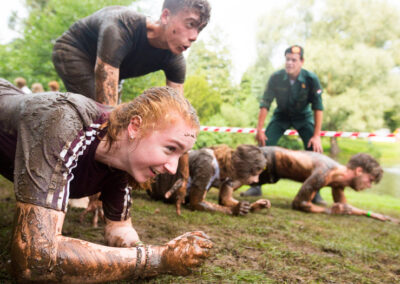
(242, 208)
(186, 251)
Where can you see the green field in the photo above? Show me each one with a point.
(278, 245)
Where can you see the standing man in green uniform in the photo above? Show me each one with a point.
(299, 104)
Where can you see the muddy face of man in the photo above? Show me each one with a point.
(181, 29)
(361, 180)
(182, 21)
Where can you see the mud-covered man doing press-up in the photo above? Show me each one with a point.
(56, 146)
(218, 166)
(316, 170)
(117, 43)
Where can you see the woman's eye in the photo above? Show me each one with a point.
(171, 148)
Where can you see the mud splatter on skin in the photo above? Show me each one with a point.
(106, 78)
(40, 253)
(313, 169)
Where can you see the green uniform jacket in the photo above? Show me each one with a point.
(293, 100)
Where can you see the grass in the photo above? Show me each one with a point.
(275, 246)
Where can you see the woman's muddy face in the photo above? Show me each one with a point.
(253, 178)
(159, 151)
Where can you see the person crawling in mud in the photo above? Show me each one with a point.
(316, 170)
(56, 146)
(218, 166)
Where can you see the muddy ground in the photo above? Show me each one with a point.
(274, 246)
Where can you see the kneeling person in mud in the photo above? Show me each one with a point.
(316, 170)
(57, 146)
(221, 167)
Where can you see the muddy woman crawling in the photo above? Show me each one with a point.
(218, 166)
(57, 146)
(316, 171)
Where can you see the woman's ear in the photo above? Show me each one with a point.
(134, 126)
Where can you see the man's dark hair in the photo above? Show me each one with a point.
(295, 49)
(202, 7)
(368, 164)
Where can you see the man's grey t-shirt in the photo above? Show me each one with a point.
(118, 36)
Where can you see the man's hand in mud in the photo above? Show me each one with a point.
(260, 204)
(185, 252)
(384, 218)
(242, 208)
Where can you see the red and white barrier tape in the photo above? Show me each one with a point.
(294, 132)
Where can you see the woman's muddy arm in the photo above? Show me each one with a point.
(40, 253)
(198, 202)
(226, 198)
(226, 193)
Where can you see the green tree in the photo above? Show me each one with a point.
(30, 56)
(353, 47)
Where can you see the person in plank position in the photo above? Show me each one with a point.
(316, 171)
(218, 166)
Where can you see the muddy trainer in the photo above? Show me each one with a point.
(56, 146)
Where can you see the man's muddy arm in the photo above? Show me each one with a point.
(106, 83)
(310, 187)
(177, 86)
(342, 207)
(40, 253)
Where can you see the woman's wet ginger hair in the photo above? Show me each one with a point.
(239, 164)
(157, 107)
(368, 164)
(202, 7)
